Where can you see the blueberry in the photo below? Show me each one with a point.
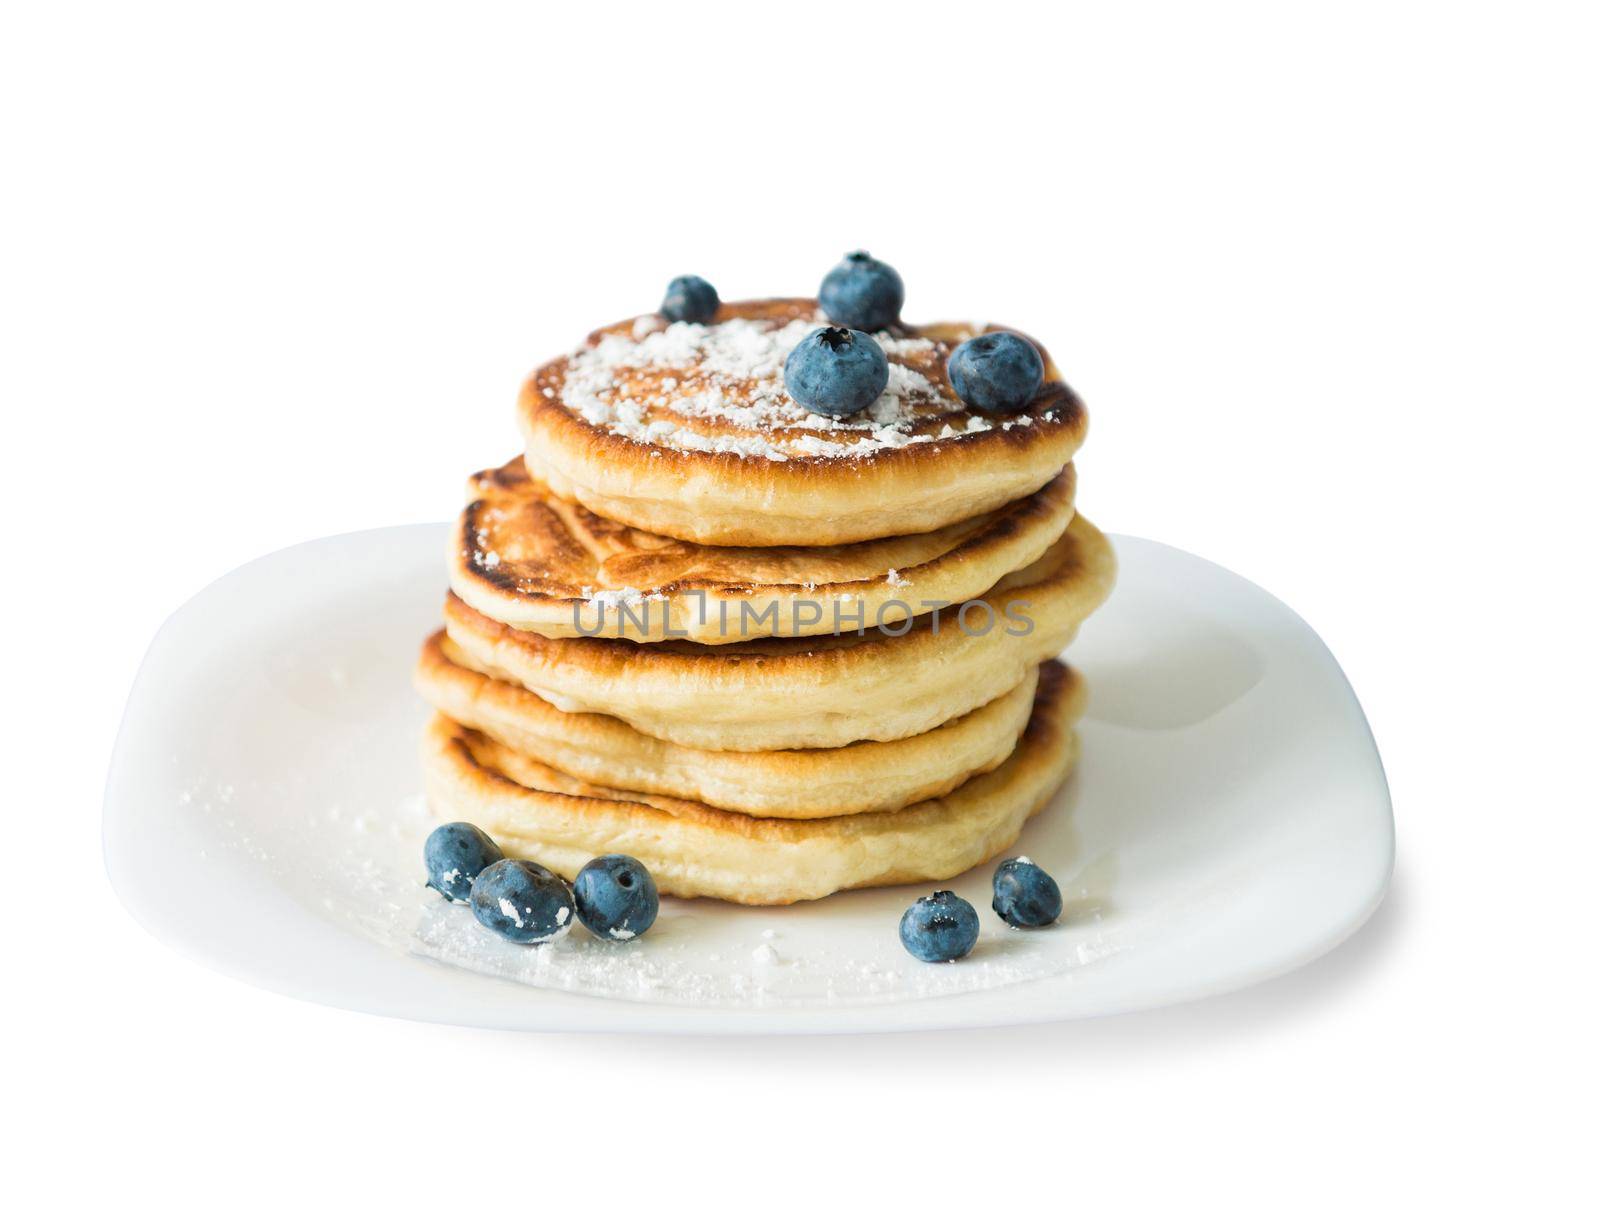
(616, 897)
(1000, 371)
(522, 901)
(836, 372)
(1025, 896)
(861, 292)
(690, 300)
(455, 854)
(939, 928)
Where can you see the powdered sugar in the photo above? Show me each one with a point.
(655, 384)
(618, 598)
(719, 957)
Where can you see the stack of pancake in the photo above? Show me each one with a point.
(770, 654)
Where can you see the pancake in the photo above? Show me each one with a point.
(793, 783)
(536, 812)
(810, 693)
(686, 430)
(537, 562)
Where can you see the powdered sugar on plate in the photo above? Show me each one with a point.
(714, 954)
(719, 388)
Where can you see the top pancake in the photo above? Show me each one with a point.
(686, 430)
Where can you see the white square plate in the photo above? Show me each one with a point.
(1229, 821)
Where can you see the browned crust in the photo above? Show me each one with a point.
(1001, 528)
(1065, 431)
(1080, 560)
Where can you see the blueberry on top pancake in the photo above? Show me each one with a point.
(687, 430)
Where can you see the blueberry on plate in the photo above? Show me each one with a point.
(616, 897)
(861, 292)
(522, 901)
(836, 372)
(455, 854)
(998, 371)
(939, 928)
(1025, 896)
(690, 300)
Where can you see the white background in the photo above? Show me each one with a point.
(1328, 279)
